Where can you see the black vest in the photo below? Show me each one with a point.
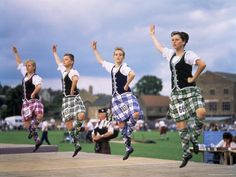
(67, 83)
(118, 82)
(180, 73)
(28, 88)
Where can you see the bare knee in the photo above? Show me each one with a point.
(81, 116)
(201, 113)
(121, 124)
(26, 124)
(181, 125)
(39, 117)
(69, 124)
(136, 115)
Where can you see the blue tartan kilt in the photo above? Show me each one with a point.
(124, 106)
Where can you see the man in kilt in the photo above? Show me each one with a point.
(125, 107)
(103, 132)
(73, 109)
(32, 108)
(186, 100)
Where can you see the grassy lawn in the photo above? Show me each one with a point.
(162, 149)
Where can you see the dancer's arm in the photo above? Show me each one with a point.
(36, 91)
(97, 54)
(156, 42)
(201, 66)
(130, 77)
(75, 80)
(54, 51)
(18, 59)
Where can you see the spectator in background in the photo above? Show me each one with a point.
(163, 130)
(213, 127)
(103, 131)
(88, 129)
(228, 143)
(45, 132)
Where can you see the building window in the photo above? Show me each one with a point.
(213, 106)
(226, 106)
(212, 92)
(226, 91)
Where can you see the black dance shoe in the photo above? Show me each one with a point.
(77, 149)
(185, 161)
(128, 153)
(37, 145)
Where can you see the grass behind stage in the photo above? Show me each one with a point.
(146, 144)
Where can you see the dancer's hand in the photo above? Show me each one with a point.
(54, 48)
(190, 79)
(126, 87)
(14, 49)
(94, 45)
(152, 30)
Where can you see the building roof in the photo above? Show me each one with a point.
(230, 76)
(154, 100)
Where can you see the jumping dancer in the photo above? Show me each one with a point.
(73, 109)
(186, 100)
(32, 107)
(125, 107)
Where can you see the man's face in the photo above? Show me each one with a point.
(101, 116)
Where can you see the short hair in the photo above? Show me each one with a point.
(228, 135)
(71, 56)
(121, 49)
(183, 35)
(32, 62)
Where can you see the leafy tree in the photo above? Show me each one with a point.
(148, 85)
(14, 101)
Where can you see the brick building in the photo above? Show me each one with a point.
(219, 92)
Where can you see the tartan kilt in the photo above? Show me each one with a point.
(31, 108)
(124, 106)
(185, 102)
(71, 107)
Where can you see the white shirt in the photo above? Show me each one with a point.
(190, 57)
(45, 126)
(162, 124)
(223, 144)
(104, 123)
(124, 68)
(63, 71)
(36, 79)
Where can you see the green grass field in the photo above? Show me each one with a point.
(162, 149)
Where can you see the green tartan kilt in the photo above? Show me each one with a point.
(185, 102)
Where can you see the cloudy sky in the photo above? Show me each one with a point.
(34, 25)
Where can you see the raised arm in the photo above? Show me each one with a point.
(97, 54)
(54, 51)
(200, 67)
(156, 42)
(18, 59)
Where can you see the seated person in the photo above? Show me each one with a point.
(103, 132)
(226, 143)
